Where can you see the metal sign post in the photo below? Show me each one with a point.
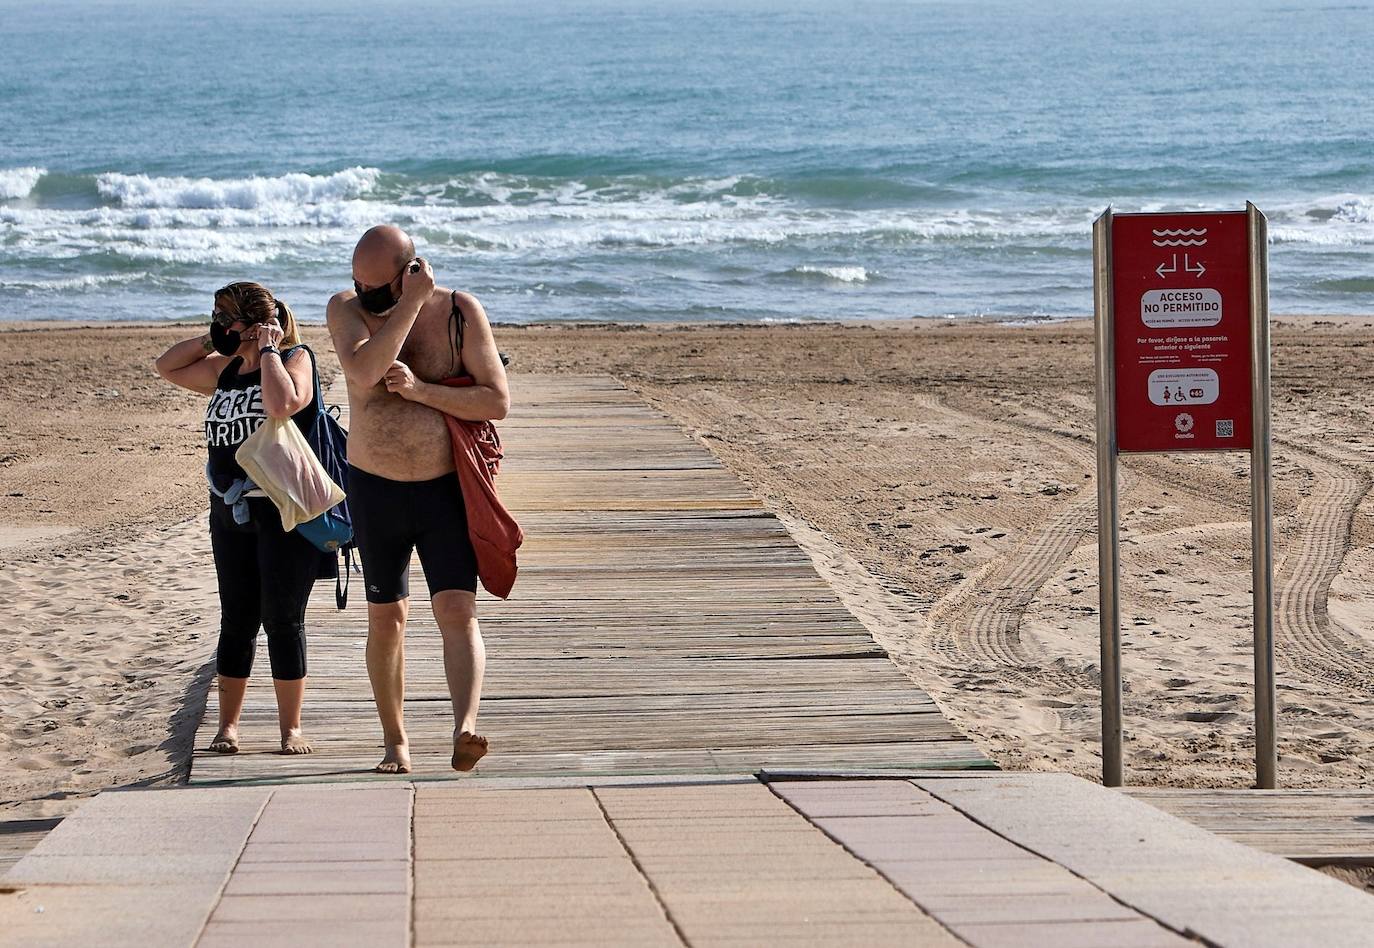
(1261, 505)
(1182, 344)
(1108, 541)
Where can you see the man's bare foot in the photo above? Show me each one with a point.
(468, 749)
(294, 742)
(395, 761)
(226, 741)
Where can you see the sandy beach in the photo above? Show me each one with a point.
(940, 474)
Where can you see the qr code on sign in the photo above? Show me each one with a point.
(1226, 428)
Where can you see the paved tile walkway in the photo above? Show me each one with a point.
(990, 861)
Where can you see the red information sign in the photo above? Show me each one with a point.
(1181, 286)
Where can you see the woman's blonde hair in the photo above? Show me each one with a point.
(254, 303)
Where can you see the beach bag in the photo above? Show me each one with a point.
(282, 464)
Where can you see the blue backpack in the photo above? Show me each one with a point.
(332, 531)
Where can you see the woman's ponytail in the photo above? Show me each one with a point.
(290, 336)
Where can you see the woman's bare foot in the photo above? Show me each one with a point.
(294, 742)
(226, 741)
(468, 749)
(395, 761)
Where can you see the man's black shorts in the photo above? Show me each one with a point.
(392, 518)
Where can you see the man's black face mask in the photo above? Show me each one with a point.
(376, 300)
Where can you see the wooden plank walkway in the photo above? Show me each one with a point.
(1313, 827)
(663, 622)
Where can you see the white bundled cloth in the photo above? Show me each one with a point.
(279, 460)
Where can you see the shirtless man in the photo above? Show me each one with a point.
(396, 335)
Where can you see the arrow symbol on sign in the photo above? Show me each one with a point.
(1200, 268)
(1172, 268)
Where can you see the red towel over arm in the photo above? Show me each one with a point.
(494, 533)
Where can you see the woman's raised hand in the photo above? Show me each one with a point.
(269, 333)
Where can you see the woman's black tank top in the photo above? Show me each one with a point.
(235, 412)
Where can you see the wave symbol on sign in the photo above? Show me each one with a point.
(1191, 237)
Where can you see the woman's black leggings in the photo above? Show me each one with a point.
(265, 575)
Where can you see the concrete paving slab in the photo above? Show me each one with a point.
(357, 865)
(108, 916)
(818, 863)
(848, 934)
(609, 903)
(958, 910)
(318, 851)
(445, 875)
(322, 881)
(158, 805)
(144, 837)
(207, 867)
(1139, 933)
(1226, 893)
(535, 846)
(545, 931)
(705, 869)
(302, 908)
(280, 828)
(964, 872)
(480, 781)
(943, 849)
(343, 933)
(450, 827)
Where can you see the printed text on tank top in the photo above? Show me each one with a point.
(234, 412)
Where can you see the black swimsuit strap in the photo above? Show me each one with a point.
(456, 317)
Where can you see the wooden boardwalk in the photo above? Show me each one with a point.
(1313, 827)
(663, 623)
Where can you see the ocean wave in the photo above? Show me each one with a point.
(1355, 211)
(839, 274)
(1348, 285)
(18, 182)
(89, 281)
(1327, 236)
(517, 229)
(140, 190)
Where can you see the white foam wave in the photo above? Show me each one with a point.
(19, 182)
(140, 190)
(841, 274)
(1355, 211)
(90, 281)
(311, 234)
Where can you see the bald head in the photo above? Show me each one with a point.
(380, 255)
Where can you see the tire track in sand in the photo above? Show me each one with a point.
(978, 625)
(1307, 640)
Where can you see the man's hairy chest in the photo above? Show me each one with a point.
(432, 350)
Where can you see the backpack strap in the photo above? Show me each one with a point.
(315, 377)
(341, 578)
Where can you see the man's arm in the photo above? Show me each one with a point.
(487, 399)
(365, 357)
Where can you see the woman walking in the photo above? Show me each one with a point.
(253, 367)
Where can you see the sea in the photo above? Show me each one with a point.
(661, 160)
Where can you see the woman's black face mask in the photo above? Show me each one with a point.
(376, 300)
(225, 340)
